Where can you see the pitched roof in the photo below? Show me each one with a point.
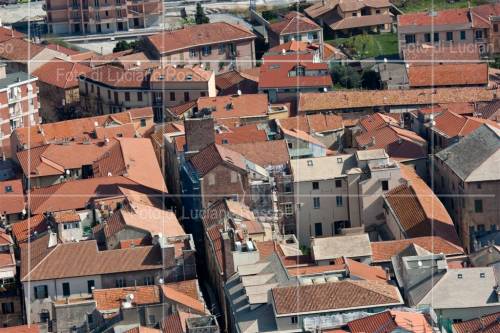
(235, 106)
(389, 321)
(451, 124)
(475, 157)
(75, 194)
(22, 230)
(60, 261)
(133, 158)
(323, 7)
(294, 22)
(334, 296)
(31, 328)
(383, 251)
(314, 123)
(349, 99)
(485, 324)
(426, 55)
(351, 22)
(174, 73)
(455, 16)
(55, 159)
(117, 77)
(19, 50)
(11, 197)
(112, 299)
(9, 33)
(357, 245)
(174, 293)
(198, 35)
(60, 73)
(364, 271)
(176, 322)
(435, 75)
(214, 155)
(275, 69)
(264, 153)
(79, 130)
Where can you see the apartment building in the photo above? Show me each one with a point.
(219, 46)
(352, 16)
(18, 105)
(341, 191)
(111, 89)
(101, 16)
(467, 173)
(465, 27)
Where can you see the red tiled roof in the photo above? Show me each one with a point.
(364, 271)
(234, 106)
(214, 155)
(176, 322)
(294, 22)
(486, 324)
(118, 77)
(382, 322)
(9, 33)
(315, 123)
(452, 125)
(383, 251)
(351, 22)
(180, 297)
(67, 51)
(427, 55)
(30, 328)
(264, 153)
(443, 17)
(60, 73)
(111, 299)
(19, 50)
(198, 35)
(334, 296)
(448, 75)
(274, 72)
(11, 197)
(23, 230)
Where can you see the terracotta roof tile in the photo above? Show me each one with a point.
(112, 299)
(344, 99)
(314, 123)
(19, 50)
(426, 55)
(180, 297)
(9, 33)
(364, 271)
(334, 296)
(118, 77)
(382, 322)
(176, 322)
(22, 230)
(448, 75)
(234, 106)
(214, 155)
(65, 216)
(274, 72)
(351, 22)
(383, 251)
(60, 73)
(198, 35)
(264, 153)
(442, 17)
(12, 199)
(486, 324)
(294, 22)
(31, 328)
(60, 261)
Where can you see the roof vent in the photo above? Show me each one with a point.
(310, 163)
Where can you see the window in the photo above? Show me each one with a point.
(120, 283)
(143, 122)
(149, 280)
(90, 286)
(90, 318)
(377, 11)
(7, 308)
(478, 206)
(203, 94)
(385, 185)
(495, 27)
(478, 186)
(427, 37)
(479, 34)
(482, 275)
(206, 51)
(91, 88)
(222, 48)
(462, 35)
(338, 199)
(139, 96)
(436, 37)
(186, 96)
(338, 183)
(66, 290)
(127, 96)
(41, 292)
(354, 14)
(152, 319)
(410, 39)
(449, 36)
(460, 276)
(481, 228)
(290, 145)
(8, 189)
(193, 53)
(316, 203)
(116, 97)
(211, 179)
(312, 35)
(172, 96)
(294, 319)
(98, 91)
(318, 229)
(234, 177)
(288, 209)
(315, 185)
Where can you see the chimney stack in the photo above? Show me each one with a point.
(200, 133)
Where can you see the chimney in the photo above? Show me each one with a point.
(3, 71)
(227, 256)
(200, 133)
(167, 252)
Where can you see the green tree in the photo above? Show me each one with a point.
(123, 45)
(345, 76)
(200, 17)
(370, 79)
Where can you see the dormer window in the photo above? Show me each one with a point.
(300, 71)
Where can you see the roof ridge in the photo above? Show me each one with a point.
(362, 283)
(43, 259)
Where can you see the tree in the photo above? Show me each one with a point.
(345, 76)
(370, 79)
(124, 45)
(200, 17)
